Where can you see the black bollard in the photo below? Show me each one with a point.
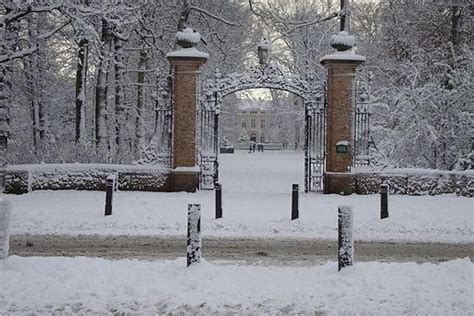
(193, 251)
(218, 200)
(383, 201)
(109, 188)
(294, 202)
(345, 240)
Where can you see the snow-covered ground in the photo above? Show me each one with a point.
(257, 192)
(87, 286)
(256, 202)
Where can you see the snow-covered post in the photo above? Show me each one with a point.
(346, 241)
(383, 201)
(186, 62)
(194, 234)
(4, 228)
(109, 188)
(294, 201)
(218, 188)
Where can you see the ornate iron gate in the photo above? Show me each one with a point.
(308, 87)
(209, 144)
(159, 149)
(315, 146)
(362, 122)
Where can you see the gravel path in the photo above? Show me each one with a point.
(246, 251)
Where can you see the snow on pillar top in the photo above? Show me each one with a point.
(342, 41)
(188, 38)
(187, 41)
(344, 44)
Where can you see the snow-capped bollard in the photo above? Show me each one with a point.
(4, 228)
(383, 201)
(194, 234)
(346, 241)
(294, 202)
(218, 200)
(109, 188)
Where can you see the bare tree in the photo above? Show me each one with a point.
(101, 87)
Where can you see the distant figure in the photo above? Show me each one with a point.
(261, 147)
(253, 147)
(250, 149)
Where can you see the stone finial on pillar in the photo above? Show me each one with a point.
(186, 62)
(341, 66)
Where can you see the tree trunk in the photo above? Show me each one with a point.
(139, 126)
(33, 76)
(455, 24)
(81, 85)
(41, 86)
(4, 94)
(10, 43)
(119, 92)
(101, 90)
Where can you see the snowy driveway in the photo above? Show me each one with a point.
(256, 202)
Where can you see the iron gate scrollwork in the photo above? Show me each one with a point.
(315, 145)
(159, 149)
(362, 121)
(309, 87)
(209, 144)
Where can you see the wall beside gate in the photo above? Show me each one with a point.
(415, 182)
(21, 179)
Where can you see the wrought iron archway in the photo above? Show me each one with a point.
(310, 87)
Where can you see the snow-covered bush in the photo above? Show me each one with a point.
(420, 56)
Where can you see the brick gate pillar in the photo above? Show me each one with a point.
(341, 67)
(185, 62)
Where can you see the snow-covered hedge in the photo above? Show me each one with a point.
(25, 178)
(415, 181)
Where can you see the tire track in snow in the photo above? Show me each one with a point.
(289, 251)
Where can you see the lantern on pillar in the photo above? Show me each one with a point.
(263, 49)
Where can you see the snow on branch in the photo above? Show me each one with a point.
(296, 24)
(54, 31)
(215, 17)
(23, 53)
(28, 51)
(6, 19)
(309, 23)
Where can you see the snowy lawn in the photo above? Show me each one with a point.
(86, 286)
(256, 202)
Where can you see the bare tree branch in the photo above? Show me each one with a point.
(215, 17)
(28, 51)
